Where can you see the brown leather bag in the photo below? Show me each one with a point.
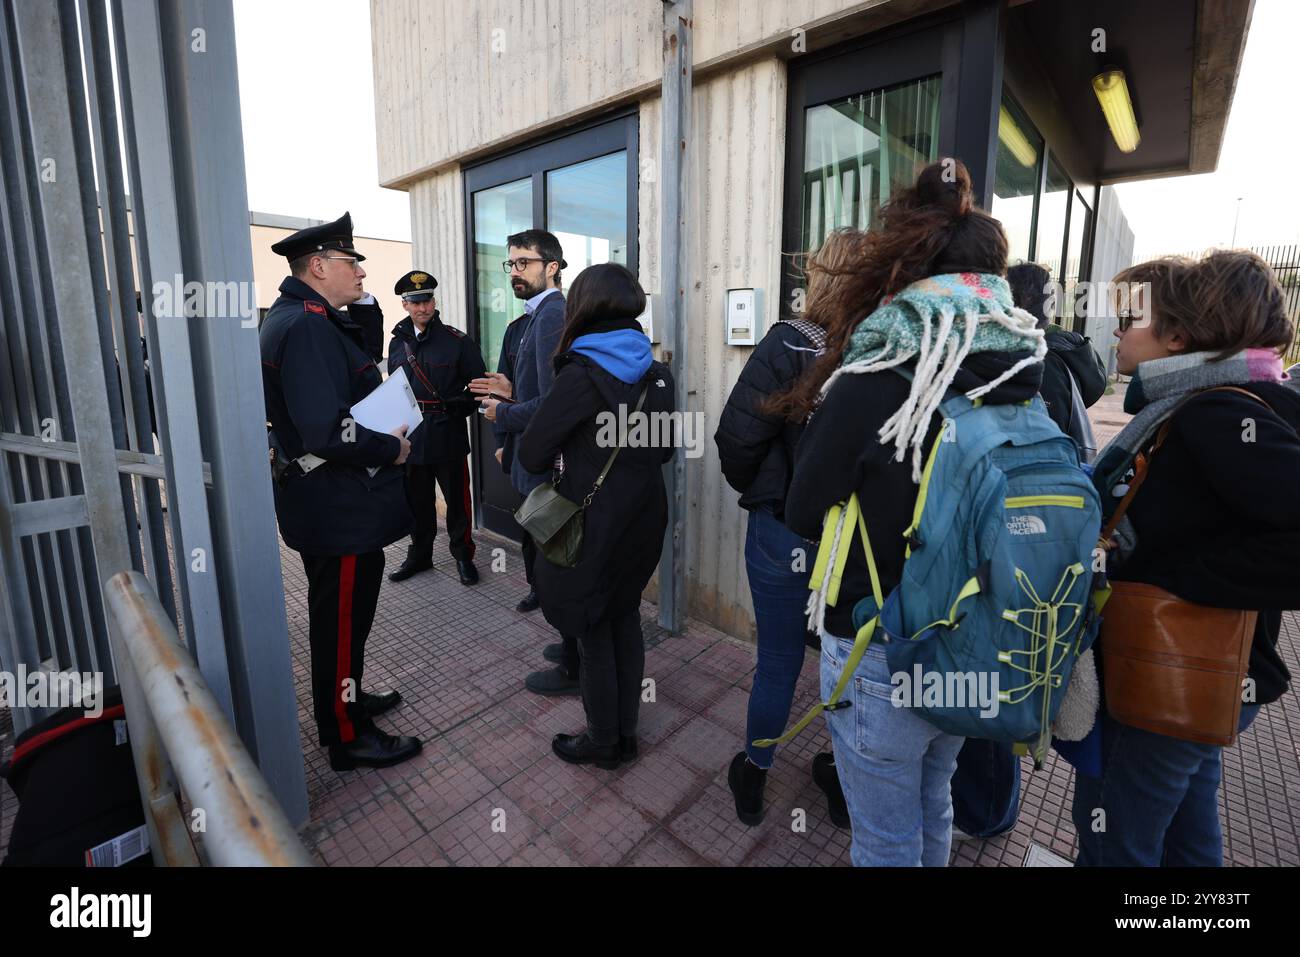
(1172, 666)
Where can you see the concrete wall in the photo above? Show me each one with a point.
(449, 85)
(737, 200)
(1112, 251)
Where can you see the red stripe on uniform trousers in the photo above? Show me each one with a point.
(469, 540)
(347, 580)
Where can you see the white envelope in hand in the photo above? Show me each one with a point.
(390, 405)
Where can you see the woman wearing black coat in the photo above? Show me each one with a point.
(603, 367)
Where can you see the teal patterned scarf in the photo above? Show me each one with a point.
(933, 325)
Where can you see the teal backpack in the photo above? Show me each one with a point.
(997, 600)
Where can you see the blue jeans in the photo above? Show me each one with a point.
(894, 766)
(1156, 803)
(780, 595)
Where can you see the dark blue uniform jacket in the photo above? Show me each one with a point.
(439, 364)
(314, 369)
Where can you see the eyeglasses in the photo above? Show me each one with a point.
(1126, 320)
(522, 263)
(345, 259)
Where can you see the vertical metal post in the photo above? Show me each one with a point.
(198, 43)
(675, 133)
(149, 160)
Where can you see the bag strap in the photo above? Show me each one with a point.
(852, 516)
(419, 373)
(609, 463)
(1142, 463)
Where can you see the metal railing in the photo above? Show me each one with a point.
(176, 725)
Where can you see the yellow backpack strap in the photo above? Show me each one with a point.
(863, 638)
(924, 490)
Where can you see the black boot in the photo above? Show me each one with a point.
(746, 781)
(373, 749)
(529, 602)
(828, 779)
(580, 749)
(627, 747)
(412, 566)
(553, 682)
(376, 704)
(466, 571)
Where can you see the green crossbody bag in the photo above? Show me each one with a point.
(554, 522)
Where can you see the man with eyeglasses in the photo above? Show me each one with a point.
(440, 361)
(535, 263)
(340, 495)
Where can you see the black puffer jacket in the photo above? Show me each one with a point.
(1069, 353)
(624, 527)
(757, 450)
(841, 454)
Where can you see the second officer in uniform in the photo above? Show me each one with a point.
(439, 361)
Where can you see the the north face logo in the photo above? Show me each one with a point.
(1026, 525)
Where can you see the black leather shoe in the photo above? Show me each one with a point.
(374, 749)
(580, 749)
(468, 573)
(627, 748)
(411, 567)
(552, 682)
(554, 652)
(377, 704)
(528, 603)
(828, 779)
(746, 781)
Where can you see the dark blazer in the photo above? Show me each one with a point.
(506, 363)
(624, 526)
(535, 372)
(314, 369)
(439, 365)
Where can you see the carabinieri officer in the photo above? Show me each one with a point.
(339, 493)
(439, 361)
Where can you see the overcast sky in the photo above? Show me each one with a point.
(310, 147)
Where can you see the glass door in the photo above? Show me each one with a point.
(582, 188)
(862, 120)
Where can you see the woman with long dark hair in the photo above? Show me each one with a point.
(926, 296)
(606, 379)
(1202, 488)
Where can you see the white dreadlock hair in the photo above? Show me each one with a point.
(937, 360)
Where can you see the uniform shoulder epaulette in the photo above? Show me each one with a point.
(310, 305)
(455, 332)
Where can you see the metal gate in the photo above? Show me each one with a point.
(133, 437)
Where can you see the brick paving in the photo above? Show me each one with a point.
(487, 789)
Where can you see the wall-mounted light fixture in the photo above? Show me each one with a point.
(1014, 139)
(1116, 105)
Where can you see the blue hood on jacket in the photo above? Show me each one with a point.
(623, 353)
